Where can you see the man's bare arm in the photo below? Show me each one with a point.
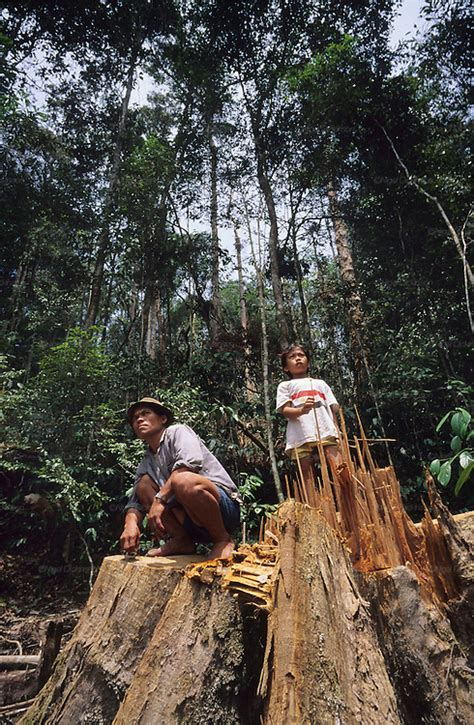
(130, 537)
(155, 513)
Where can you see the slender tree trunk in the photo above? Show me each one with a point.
(23, 284)
(145, 315)
(351, 291)
(215, 317)
(161, 322)
(328, 321)
(266, 394)
(151, 332)
(191, 323)
(18, 295)
(292, 234)
(363, 375)
(249, 384)
(104, 236)
(108, 299)
(299, 282)
(267, 192)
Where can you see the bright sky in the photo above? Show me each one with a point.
(407, 20)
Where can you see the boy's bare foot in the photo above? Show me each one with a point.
(175, 545)
(221, 550)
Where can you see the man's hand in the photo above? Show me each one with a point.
(130, 538)
(155, 519)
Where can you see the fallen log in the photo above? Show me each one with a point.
(18, 662)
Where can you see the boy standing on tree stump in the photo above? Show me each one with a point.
(310, 407)
(188, 495)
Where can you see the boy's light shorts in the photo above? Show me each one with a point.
(308, 448)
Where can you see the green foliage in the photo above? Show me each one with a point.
(461, 435)
(79, 499)
(61, 434)
(253, 510)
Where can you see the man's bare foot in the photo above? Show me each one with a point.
(176, 545)
(221, 550)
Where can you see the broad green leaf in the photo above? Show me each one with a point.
(435, 466)
(444, 475)
(465, 459)
(465, 415)
(456, 423)
(463, 477)
(456, 444)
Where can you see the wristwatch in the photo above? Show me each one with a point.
(161, 499)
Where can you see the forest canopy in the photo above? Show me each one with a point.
(290, 176)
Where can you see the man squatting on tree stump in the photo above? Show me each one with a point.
(188, 495)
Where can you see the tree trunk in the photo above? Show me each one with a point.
(250, 389)
(205, 673)
(326, 664)
(351, 290)
(104, 236)
(292, 234)
(267, 192)
(363, 377)
(152, 324)
(264, 357)
(299, 281)
(215, 315)
(327, 317)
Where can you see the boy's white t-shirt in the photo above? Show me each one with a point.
(304, 429)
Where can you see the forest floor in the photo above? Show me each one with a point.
(32, 594)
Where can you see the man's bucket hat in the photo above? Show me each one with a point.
(153, 403)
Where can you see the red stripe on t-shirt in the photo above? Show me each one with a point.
(308, 394)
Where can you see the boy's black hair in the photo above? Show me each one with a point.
(290, 348)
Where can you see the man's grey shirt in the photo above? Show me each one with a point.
(181, 446)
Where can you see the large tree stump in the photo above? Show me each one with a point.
(345, 612)
(338, 645)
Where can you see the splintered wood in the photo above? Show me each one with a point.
(251, 573)
(363, 504)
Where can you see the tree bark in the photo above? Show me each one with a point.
(299, 282)
(267, 192)
(94, 671)
(351, 291)
(215, 316)
(250, 389)
(324, 664)
(204, 673)
(264, 356)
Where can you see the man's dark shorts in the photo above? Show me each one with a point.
(230, 512)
